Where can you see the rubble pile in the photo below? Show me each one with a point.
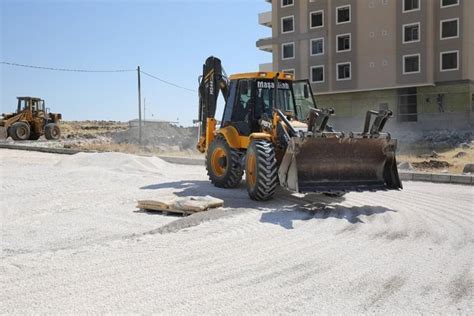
(447, 139)
(431, 164)
(164, 136)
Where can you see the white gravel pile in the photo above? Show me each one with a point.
(113, 161)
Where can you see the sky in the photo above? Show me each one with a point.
(168, 38)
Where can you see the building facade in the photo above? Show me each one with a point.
(414, 57)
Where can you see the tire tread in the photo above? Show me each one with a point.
(267, 177)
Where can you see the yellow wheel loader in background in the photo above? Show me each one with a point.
(272, 130)
(31, 120)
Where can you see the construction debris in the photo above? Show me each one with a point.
(468, 168)
(181, 205)
(431, 164)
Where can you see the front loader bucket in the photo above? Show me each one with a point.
(319, 164)
(3, 133)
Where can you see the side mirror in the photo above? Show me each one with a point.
(305, 91)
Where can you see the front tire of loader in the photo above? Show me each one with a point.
(20, 131)
(52, 131)
(223, 164)
(261, 171)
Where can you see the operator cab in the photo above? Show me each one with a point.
(252, 97)
(35, 104)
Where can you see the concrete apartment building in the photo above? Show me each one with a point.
(414, 57)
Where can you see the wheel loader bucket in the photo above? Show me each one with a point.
(3, 133)
(319, 164)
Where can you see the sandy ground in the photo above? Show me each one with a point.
(73, 243)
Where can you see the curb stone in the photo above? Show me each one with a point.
(437, 177)
(183, 160)
(64, 151)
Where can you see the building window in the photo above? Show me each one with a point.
(449, 60)
(411, 5)
(343, 71)
(316, 19)
(411, 64)
(449, 3)
(289, 71)
(411, 33)
(343, 14)
(343, 42)
(287, 24)
(317, 74)
(317, 46)
(286, 3)
(288, 51)
(449, 28)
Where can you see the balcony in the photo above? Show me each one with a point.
(265, 18)
(266, 67)
(265, 44)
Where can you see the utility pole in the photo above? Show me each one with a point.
(139, 108)
(144, 111)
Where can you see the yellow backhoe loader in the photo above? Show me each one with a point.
(31, 120)
(272, 130)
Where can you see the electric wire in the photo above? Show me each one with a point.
(167, 82)
(65, 69)
(99, 71)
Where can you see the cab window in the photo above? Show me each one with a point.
(303, 99)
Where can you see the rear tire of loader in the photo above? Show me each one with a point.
(52, 131)
(20, 131)
(261, 172)
(223, 164)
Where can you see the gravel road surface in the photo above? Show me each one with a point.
(72, 242)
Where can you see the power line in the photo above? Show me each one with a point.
(65, 69)
(167, 82)
(90, 70)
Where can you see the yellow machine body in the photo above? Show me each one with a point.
(272, 131)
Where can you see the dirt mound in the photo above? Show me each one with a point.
(431, 164)
(90, 129)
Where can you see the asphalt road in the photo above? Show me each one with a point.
(72, 242)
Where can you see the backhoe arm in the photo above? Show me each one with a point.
(212, 81)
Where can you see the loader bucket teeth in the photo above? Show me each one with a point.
(343, 164)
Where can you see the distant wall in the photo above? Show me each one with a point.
(445, 106)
